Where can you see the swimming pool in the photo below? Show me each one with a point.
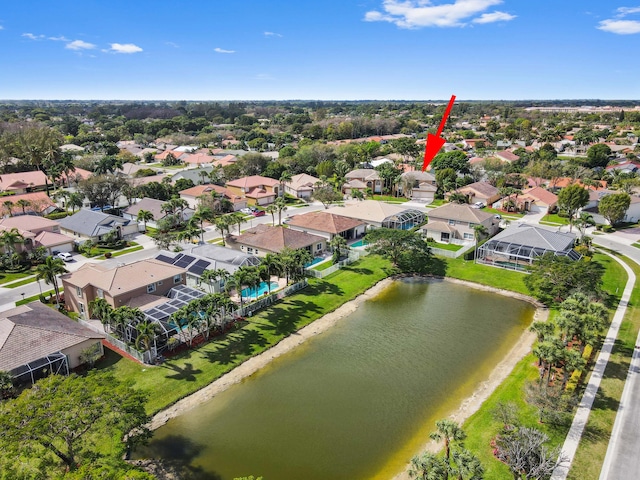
(359, 243)
(314, 261)
(261, 290)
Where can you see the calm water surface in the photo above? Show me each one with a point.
(357, 401)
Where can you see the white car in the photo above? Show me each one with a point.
(67, 257)
(478, 205)
(247, 211)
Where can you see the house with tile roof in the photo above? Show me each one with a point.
(480, 192)
(89, 225)
(258, 190)
(36, 340)
(264, 239)
(327, 225)
(507, 156)
(519, 245)
(536, 199)
(197, 158)
(23, 182)
(120, 284)
(362, 179)
(380, 214)
(38, 203)
(192, 195)
(301, 185)
(417, 185)
(155, 207)
(455, 223)
(38, 232)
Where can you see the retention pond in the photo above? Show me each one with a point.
(357, 401)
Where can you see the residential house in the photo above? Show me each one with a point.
(474, 143)
(155, 207)
(90, 225)
(417, 185)
(632, 214)
(263, 239)
(537, 200)
(301, 185)
(362, 179)
(119, 285)
(38, 232)
(480, 192)
(38, 203)
(198, 259)
(628, 166)
(23, 182)
(507, 156)
(380, 214)
(455, 223)
(257, 189)
(198, 176)
(192, 195)
(36, 340)
(327, 225)
(516, 247)
(197, 159)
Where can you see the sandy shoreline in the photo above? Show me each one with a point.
(469, 406)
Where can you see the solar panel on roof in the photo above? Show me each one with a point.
(199, 267)
(164, 258)
(184, 261)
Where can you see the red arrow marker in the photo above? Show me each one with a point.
(435, 142)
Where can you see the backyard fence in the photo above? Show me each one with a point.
(354, 255)
(142, 357)
(248, 310)
(451, 253)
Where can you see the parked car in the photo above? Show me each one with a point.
(258, 213)
(247, 211)
(66, 256)
(478, 205)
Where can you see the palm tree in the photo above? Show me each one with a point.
(468, 466)
(223, 224)
(9, 239)
(146, 334)
(48, 271)
(127, 318)
(236, 218)
(272, 209)
(448, 431)
(8, 206)
(144, 216)
(74, 201)
(100, 308)
(479, 231)
(428, 466)
(203, 213)
(285, 177)
(7, 389)
(281, 206)
(338, 243)
(22, 203)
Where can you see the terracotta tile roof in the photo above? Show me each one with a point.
(274, 239)
(481, 189)
(370, 210)
(440, 227)
(507, 156)
(33, 331)
(324, 222)
(123, 278)
(38, 202)
(302, 181)
(566, 181)
(458, 212)
(21, 180)
(198, 158)
(253, 181)
(27, 222)
(541, 195)
(51, 239)
(363, 173)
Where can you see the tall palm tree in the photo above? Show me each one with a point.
(8, 206)
(428, 466)
(281, 206)
(338, 244)
(100, 308)
(74, 201)
(48, 271)
(144, 216)
(9, 239)
(468, 466)
(449, 432)
(236, 218)
(285, 177)
(272, 209)
(23, 204)
(223, 225)
(146, 332)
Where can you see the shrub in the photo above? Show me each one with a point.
(107, 255)
(57, 215)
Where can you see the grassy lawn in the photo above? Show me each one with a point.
(637, 245)
(323, 265)
(190, 371)
(6, 277)
(389, 198)
(503, 214)
(482, 427)
(100, 251)
(123, 252)
(554, 219)
(446, 246)
(495, 277)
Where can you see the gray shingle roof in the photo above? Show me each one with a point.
(536, 237)
(90, 223)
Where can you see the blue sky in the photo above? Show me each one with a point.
(320, 49)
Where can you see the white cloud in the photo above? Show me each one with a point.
(124, 48)
(31, 36)
(171, 44)
(222, 50)
(58, 39)
(623, 11)
(621, 27)
(272, 34)
(494, 17)
(423, 13)
(79, 45)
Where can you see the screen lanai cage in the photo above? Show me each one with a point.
(516, 251)
(404, 220)
(167, 328)
(54, 363)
